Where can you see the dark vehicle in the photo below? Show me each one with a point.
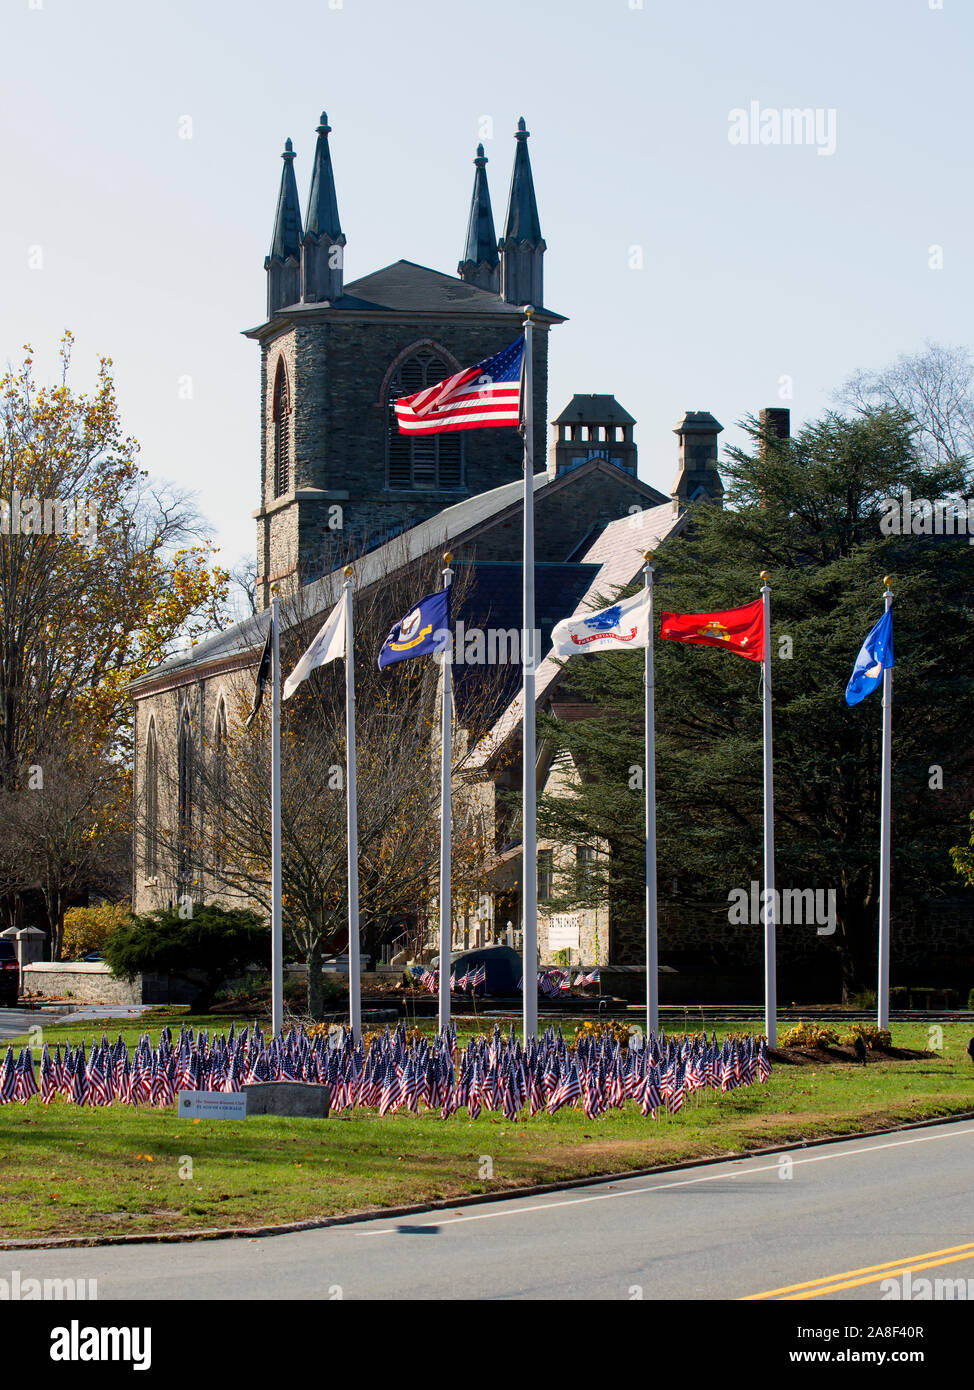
(9, 974)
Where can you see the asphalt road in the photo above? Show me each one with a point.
(836, 1220)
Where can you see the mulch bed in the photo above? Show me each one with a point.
(826, 1056)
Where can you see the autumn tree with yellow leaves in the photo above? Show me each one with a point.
(102, 570)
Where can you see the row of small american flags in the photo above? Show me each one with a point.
(398, 1071)
(470, 981)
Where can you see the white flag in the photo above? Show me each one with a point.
(624, 625)
(329, 645)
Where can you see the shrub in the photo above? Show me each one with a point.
(88, 928)
(876, 1038)
(615, 1028)
(809, 1035)
(215, 943)
(865, 999)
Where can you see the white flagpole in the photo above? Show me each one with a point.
(351, 796)
(882, 990)
(652, 956)
(770, 969)
(277, 935)
(529, 833)
(446, 838)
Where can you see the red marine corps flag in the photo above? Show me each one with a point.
(474, 398)
(746, 631)
(739, 630)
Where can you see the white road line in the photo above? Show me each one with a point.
(664, 1186)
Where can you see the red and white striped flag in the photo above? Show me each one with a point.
(474, 398)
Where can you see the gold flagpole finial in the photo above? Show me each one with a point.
(529, 311)
(648, 556)
(348, 571)
(447, 558)
(888, 581)
(764, 575)
(275, 588)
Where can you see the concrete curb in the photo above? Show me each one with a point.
(446, 1204)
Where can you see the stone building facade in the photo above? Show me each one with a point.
(337, 477)
(338, 483)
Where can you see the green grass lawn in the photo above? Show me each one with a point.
(121, 1170)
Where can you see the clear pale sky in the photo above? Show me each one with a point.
(758, 261)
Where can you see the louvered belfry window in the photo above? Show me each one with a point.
(433, 462)
(282, 433)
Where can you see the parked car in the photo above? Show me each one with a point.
(9, 974)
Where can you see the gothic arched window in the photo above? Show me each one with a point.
(282, 432)
(220, 784)
(151, 782)
(184, 770)
(431, 462)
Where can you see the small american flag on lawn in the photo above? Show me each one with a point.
(474, 398)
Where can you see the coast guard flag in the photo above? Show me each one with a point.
(739, 630)
(474, 398)
(424, 629)
(329, 645)
(875, 654)
(623, 625)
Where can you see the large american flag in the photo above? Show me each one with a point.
(474, 398)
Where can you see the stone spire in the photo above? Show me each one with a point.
(481, 264)
(322, 247)
(522, 246)
(283, 264)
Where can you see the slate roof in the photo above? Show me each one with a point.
(495, 600)
(598, 410)
(407, 288)
(323, 593)
(618, 551)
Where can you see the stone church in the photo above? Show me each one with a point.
(339, 484)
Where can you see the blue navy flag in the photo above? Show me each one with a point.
(875, 654)
(424, 629)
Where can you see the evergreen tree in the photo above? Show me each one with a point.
(810, 511)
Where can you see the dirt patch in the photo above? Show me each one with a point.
(826, 1056)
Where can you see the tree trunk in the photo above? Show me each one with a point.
(316, 991)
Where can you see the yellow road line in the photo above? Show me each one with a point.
(858, 1283)
(907, 1263)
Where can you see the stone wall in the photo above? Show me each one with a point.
(91, 982)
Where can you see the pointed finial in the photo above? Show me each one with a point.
(522, 131)
(288, 149)
(323, 128)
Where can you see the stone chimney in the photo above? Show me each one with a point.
(697, 479)
(776, 421)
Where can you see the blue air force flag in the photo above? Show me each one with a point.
(424, 629)
(875, 655)
(623, 625)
